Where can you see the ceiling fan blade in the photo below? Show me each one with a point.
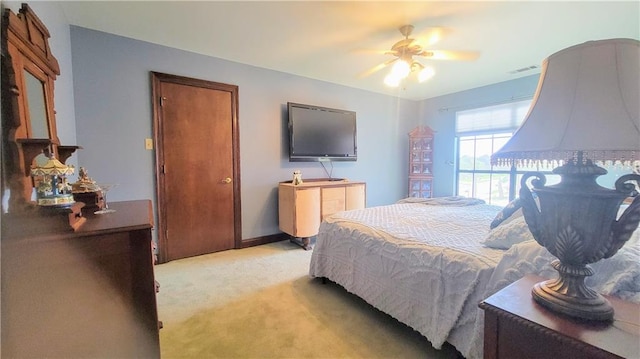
(450, 55)
(432, 36)
(377, 68)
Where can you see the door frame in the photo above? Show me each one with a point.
(157, 79)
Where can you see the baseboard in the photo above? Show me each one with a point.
(264, 240)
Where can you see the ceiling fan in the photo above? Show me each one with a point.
(404, 63)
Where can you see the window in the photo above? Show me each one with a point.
(476, 177)
(479, 133)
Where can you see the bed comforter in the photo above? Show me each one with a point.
(423, 262)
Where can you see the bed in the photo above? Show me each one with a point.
(429, 262)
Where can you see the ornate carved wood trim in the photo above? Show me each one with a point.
(31, 37)
(25, 53)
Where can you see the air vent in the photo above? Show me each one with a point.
(528, 68)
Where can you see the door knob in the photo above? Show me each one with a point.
(227, 180)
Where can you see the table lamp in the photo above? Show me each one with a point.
(585, 111)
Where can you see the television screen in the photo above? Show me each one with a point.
(321, 134)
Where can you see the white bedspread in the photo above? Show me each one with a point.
(422, 264)
(617, 276)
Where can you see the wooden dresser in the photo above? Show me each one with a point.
(84, 293)
(515, 326)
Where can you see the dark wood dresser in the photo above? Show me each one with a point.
(515, 326)
(84, 293)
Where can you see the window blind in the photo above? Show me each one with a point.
(492, 119)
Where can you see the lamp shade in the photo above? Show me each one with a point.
(587, 100)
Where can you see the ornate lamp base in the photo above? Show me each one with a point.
(576, 221)
(569, 295)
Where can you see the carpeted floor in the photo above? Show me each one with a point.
(259, 302)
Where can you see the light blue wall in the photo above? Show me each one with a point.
(114, 115)
(440, 114)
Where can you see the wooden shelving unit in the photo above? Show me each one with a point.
(421, 162)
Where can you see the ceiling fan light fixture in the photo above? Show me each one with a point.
(406, 49)
(401, 69)
(416, 66)
(425, 74)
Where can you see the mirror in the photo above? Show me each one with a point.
(36, 95)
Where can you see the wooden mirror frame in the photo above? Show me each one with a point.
(25, 48)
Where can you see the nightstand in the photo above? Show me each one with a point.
(515, 326)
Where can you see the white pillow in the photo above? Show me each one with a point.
(508, 234)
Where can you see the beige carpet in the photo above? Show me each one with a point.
(259, 302)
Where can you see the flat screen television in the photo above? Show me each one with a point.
(321, 134)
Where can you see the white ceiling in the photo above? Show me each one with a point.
(333, 41)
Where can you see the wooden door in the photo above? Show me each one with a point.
(197, 166)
